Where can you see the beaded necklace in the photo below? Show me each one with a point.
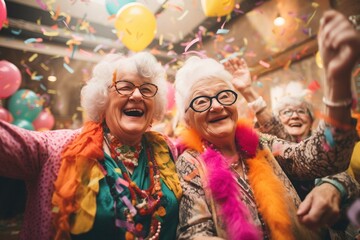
(145, 202)
(129, 155)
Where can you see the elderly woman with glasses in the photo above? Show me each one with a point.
(112, 179)
(234, 180)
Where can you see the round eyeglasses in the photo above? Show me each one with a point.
(203, 103)
(126, 88)
(289, 112)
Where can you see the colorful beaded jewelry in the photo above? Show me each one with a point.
(143, 202)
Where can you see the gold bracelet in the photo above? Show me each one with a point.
(344, 103)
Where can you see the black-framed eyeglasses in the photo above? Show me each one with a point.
(203, 103)
(127, 88)
(289, 112)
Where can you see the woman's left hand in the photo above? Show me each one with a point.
(321, 207)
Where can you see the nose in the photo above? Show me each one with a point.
(294, 114)
(136, 94)
(215, 105)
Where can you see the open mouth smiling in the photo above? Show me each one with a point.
(133, 112)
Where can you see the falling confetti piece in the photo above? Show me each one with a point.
(46, 68)
(314, 86)
(203, 55)
(33, 40)
(222, 31)
(68, 68)
(183, 15)
(264, 64)
(85, 53)
(33, 57)
(16, 32)
(49, 34)
(191, 43)
(311, 18)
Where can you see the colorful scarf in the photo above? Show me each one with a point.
(269, 191)
(77, 184)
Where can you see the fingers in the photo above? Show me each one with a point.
(234, 64)
(305, 206)
(320, 208)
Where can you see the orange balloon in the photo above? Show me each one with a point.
(217, 8)
(136, 26)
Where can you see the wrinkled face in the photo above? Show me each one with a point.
(129, 116)
(296, 120)
(218, 123)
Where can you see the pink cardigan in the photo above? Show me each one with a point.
(35, 158)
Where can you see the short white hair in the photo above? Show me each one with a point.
(95, 94)
(193, 70)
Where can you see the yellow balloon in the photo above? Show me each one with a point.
(135, 26)
(217, 8)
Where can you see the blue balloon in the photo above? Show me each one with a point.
(23, 124)
(113, 6)
(25, 104)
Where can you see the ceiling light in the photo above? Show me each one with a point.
(279, 21)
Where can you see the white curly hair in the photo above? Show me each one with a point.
(193, 70)
(95, 94)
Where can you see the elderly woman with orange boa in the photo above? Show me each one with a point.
(234, 180)
(112, 179)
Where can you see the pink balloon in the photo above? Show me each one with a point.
(10, 78)
(3, 13)
(5, 115)
(170, 96)
(44, 121)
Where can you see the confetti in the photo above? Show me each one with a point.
(33, 40)
(222, 31)
(264, 64)
(33, 57)
(68, 68)
(183, 15)
(16, 32)
(191, 43)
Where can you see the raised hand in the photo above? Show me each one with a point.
(241, 74)
(339, 44)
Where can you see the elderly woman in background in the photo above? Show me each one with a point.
(233, 186)
(112, 179)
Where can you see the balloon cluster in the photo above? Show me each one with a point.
(25, 108)
(135, 24)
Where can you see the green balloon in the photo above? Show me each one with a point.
(23, 124)
(25, 104)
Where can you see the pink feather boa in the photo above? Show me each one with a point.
(225, 192)
(223, 186)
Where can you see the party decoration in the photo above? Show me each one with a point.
(5, 115)
(23, 124)
(25, 104)
(113, 6)
(45, 121)
(3, 13)
(217, 8)
(10, 78)
(136, 26)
